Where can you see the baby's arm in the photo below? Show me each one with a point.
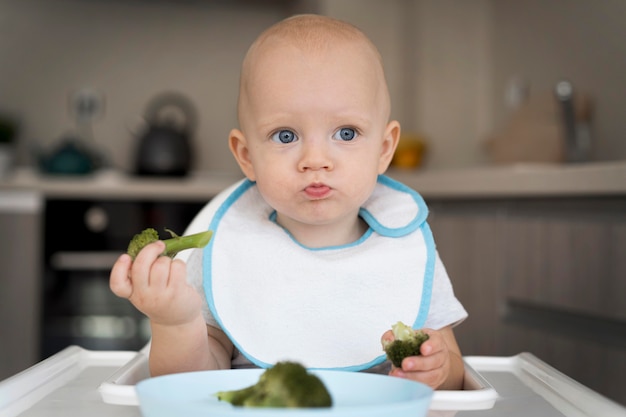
(440, 364)
(191, 347)
(157, 286)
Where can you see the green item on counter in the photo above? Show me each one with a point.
(407, 343)
(172, 246)
(285, 385)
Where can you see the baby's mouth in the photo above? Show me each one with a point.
(317, 191)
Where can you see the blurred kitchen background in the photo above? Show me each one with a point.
(526, 187)
(451, 66)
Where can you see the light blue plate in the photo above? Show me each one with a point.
(354, 394)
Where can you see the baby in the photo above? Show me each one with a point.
(316, 253)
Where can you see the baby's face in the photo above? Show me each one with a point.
(315, 124)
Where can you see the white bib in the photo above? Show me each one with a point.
(326, 308)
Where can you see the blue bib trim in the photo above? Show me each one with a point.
(379, 215)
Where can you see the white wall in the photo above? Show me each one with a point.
(129, 50)
(454, 82)
(438, 62)
(447, 62)
(582, 40)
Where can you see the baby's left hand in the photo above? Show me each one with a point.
(432, 367)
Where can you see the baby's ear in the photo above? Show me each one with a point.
(239, 147)
(388, 147)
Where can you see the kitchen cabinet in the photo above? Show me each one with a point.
(545, 275)
(78, 253)
(38, 291)
(20, 247)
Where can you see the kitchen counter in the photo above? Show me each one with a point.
(520, 180)
(109, 184)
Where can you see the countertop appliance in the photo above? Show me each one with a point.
(164, 148)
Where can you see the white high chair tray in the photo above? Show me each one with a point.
(478, 393)
(79, 382)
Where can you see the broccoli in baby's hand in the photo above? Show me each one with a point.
(285, 385)
(172, 246)
(407, 343)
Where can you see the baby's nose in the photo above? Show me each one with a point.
(315, 156)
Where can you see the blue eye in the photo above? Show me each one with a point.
(345, 134)
(284, 136)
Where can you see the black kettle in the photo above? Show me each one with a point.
(164, 149)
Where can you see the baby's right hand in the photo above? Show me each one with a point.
(156, 285)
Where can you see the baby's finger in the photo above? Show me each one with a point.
(388, 336)
(421, 363)
(160, 273)
(119, 280)
(432, 344)
(149, 253)
(140, 272)
(178, 268)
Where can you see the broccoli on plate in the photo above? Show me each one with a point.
(407, 343)
(285, 385)
(172, 246)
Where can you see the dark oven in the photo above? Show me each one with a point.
(82, 240)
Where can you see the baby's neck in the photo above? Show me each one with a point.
(320, 236)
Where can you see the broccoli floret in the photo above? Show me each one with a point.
(407, 343)
(285, 385)
(172, 246)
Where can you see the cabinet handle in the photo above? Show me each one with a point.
(74, 261)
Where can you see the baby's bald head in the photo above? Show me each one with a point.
(313, 36)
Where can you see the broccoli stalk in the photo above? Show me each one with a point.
(285, 385)
(407, 343)
(172, 246)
